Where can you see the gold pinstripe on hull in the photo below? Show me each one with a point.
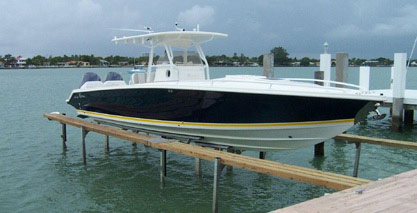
(215, 124)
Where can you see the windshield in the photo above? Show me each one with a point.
(182, 57)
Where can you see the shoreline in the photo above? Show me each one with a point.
(92, 67)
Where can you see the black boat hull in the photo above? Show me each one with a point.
(242, 120)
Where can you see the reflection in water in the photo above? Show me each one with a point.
(318, 161)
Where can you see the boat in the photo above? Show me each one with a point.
(137, 68)
(176, 98)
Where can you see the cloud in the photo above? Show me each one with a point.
(197, 15)
(402, 23)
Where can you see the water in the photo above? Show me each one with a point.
(36, 176)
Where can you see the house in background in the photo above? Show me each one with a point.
(123, 63)
(78, 64)
(20, 62)
(104, 63)
(1, 64)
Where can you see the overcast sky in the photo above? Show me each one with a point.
(363, 28)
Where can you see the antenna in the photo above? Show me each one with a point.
(177, 27)
(148, 30)
(411, 54)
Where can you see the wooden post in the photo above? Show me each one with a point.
(107, 144)
(163, 168)
(84, 133)
(357, 157)
(319, 148)
(408, 117)
(217, 170)
(229, 169)
(398, 90)
(342, 63)
(133, 143)
(198, 167)
(319, 75)
(64, 137)
(268, 62)
(262, 155)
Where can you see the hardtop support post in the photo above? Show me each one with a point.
(150, 64)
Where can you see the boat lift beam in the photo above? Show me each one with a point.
(295, 173)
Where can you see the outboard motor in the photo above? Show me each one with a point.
(89, 76)
(114, 76)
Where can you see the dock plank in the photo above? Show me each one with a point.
(393, 194)
(296, 173)
(377, 141)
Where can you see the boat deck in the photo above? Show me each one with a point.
(394, 194)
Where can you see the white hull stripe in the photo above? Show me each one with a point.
(214, 124)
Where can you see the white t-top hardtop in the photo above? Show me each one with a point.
(182, 39)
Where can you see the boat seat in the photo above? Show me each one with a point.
(138, 78)
(114, 83)
(92, 84)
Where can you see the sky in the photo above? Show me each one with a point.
(362, 28)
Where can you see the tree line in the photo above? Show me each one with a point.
(281, 58)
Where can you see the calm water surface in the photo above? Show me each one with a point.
(36, 176)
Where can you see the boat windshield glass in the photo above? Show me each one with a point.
(182, 57)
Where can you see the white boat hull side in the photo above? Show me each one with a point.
(264, 137)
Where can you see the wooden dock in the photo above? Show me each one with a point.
(296, 173)
(394, 194)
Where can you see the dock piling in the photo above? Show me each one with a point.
(320, 75)
(408, 117)
(357, 157)
(262, 155)
(217, 170)
(398, 90)
(198, 167)
(319, 149)
(364, 72)
(64, 137)
(325, 66)
(229, 169)
(107, 144)
(163, 169)
(342, 68)
(268, 62)
(84, 133)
